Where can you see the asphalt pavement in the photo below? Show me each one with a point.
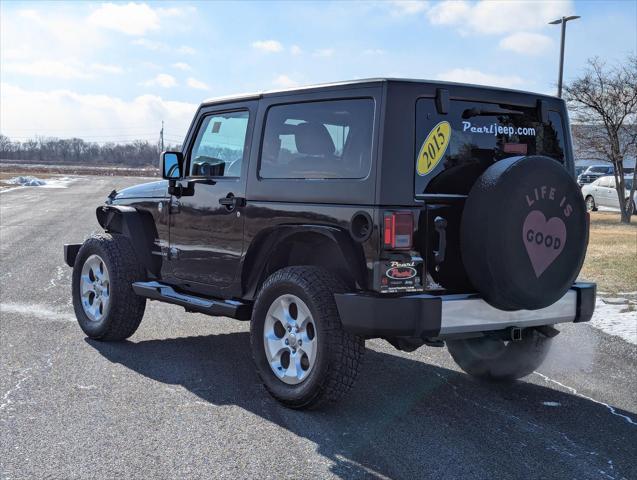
(181, 398)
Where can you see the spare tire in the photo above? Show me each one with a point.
(523, 233)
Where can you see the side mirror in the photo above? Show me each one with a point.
(171, 164)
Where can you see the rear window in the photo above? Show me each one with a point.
(453, 150)
(318, 140)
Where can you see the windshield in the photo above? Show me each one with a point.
(598, 169)
(452, 150)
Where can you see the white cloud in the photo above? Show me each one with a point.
(493, 17)
(131, 18)
(149, 44)
(295, 50)
(324, 52)
(29, 35)
(374, 51)
(408, 7)
(526, 43)
(198, 84)
(104, 68)
(268, 46)
(283, 81)
(162, 80)
(186, 50)
(46, 68)
(469, 75)
(182, 66)
(49, 112)
(162, 47)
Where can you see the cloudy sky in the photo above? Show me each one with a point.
(114, 71)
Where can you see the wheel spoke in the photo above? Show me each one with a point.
(274, 346)
(308, 347)
(86, 286)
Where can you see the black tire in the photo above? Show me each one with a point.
(125, 309)
(590, 204)
(630, 207)
(339, 353)
(492, 358)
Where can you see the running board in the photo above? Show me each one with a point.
(216, 308)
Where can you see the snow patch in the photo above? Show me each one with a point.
(29, 181)
(552, 404)
(42, 312)
(26, 181)
(616, 317)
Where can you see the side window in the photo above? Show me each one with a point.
(318, 140)
(603, 182)
(611, 182)
(219, 148)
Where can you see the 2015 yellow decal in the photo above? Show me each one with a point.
(434, 148)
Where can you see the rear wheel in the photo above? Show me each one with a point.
(590, 204)
(493, 358)
(302, 354)
(105, 305)
(630, 207)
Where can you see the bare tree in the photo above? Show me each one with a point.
(604, 102)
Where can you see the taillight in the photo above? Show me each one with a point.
(398, 230)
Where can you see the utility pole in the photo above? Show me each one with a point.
(161, 137)
(562, 21)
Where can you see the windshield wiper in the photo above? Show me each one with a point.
(477, 112)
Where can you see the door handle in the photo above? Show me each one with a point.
(230, 201)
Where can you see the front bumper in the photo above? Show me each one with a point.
(440, 316)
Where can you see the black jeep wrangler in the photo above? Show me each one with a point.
(418, 212)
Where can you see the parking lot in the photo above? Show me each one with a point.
(181, 397)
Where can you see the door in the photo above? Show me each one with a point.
(611, 194)
(603, 192)
(206, 227)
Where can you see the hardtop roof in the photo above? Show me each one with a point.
(366, 82)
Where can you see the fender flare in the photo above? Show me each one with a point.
(264, 245)
(138, 226)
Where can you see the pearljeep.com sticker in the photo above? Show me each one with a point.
(433, 148)
(496, 129)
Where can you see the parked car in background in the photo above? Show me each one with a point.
(593, 172)
(580, 169)
(602, 193)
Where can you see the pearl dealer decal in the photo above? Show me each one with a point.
(544, 239)
(401, 271)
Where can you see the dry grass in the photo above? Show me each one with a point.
(611, 260)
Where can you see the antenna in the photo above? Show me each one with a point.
(161, 137)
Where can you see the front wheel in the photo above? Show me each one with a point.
(105, 304)
(590, 204)
(302, 354)
(493, 358)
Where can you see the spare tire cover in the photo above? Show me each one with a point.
(523, 233)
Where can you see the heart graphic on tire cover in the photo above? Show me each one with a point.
(544, 240)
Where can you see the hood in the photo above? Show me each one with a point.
(143, 190)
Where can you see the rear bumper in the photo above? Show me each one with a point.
(432, 316)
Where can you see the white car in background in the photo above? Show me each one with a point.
(602, 193)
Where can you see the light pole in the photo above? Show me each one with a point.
(562, 21)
